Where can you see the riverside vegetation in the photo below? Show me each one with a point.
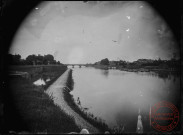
(30, 109)
(33, 108)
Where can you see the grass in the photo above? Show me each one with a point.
(96, 122)
(30, 109)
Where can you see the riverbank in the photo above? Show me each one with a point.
(148, 70)
(59, 92)
(89, 117)
(142, 69)
(28, 108)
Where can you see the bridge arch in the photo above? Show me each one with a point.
(74, 65)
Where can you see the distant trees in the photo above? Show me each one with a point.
(58, 62)
(48, 59)
(104, 61)
(173, 63)
(40, 58)
(122, 63)
(32, 60)
(14, 59)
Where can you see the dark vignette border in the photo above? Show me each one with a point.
(13, 12)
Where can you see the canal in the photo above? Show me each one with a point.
(116, 96)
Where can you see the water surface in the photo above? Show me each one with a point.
(116, 96)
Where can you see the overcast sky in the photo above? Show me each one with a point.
(78, 32)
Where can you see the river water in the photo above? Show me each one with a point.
(116, 96)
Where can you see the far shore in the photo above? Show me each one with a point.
(142, 69)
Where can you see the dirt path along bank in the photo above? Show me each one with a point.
(56, 92)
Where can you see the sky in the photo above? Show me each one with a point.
(86, 32)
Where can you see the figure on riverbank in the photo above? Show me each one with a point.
(139, 124)
(78, 101)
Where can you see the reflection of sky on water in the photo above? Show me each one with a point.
(117, 97)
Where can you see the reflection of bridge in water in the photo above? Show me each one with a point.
(79, 65)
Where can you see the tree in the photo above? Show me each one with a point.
(122, 63)
(58, 62)
(31, 59)
(16, 59)
(48, 59)
(10, 59)
(39, 59)
(104, 61)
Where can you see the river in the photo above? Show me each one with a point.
(116, 96)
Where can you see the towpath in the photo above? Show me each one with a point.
(56, 92)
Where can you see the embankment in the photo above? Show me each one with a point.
(89, 117)
(57, 90)
(28, 108)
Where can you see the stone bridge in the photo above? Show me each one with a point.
(79, 65)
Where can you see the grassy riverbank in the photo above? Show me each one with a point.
(29, 109)
(96, 122)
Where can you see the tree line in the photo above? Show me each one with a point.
(32, 60)
(172, 63)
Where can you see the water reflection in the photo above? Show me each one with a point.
(118, 97)
(105, 72)
(162, 75)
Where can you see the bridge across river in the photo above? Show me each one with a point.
(79, 65)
